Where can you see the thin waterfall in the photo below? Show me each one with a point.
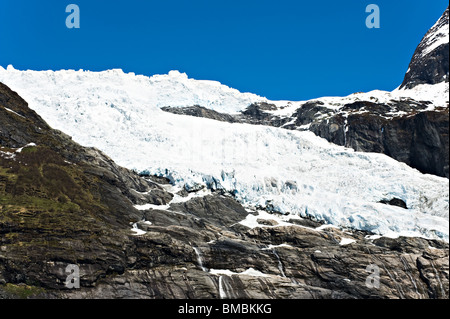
(199, 259)
(225, 288)
(438, 278)
(222, 293)
(280, 264)
(408, 272)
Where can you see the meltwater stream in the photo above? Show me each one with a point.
(199, 259)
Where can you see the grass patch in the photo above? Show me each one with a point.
(22, 291)
(44, 197)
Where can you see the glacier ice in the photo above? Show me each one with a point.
(296, 172)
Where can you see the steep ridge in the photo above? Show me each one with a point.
(430, 62)
(59, 205)
(54, 192)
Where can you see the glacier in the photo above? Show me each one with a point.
(296, 173)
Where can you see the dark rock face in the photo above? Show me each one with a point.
(395, 202)
(255, 114)
(207, 208)
(259, 113)
(429, 67)
(200, 111)
(61, 204)
(420, 140)
(182, 256)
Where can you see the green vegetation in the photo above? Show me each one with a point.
(41, 194)
(21, 291)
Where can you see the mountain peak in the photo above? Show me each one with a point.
(438, 35)
(430, 62)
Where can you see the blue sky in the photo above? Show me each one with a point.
(284, 49)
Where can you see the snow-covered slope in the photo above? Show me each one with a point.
(438, 35)
(173, 89)
(435, 95)
(296, 172)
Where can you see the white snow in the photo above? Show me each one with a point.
(201, 193)
(119, 114)
(438, 94)
(346, 241)
(438, 36)
(373, 237)
(7, 155)
(11, 111)
(251, 220)
(325, 226)
(249, 272)
(19, 150)
(271, 247)
(151, 206)
(136, 230)
(176, 199)
(173, 89)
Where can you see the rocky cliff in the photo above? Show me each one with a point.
(430, 62)
(63, 204)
